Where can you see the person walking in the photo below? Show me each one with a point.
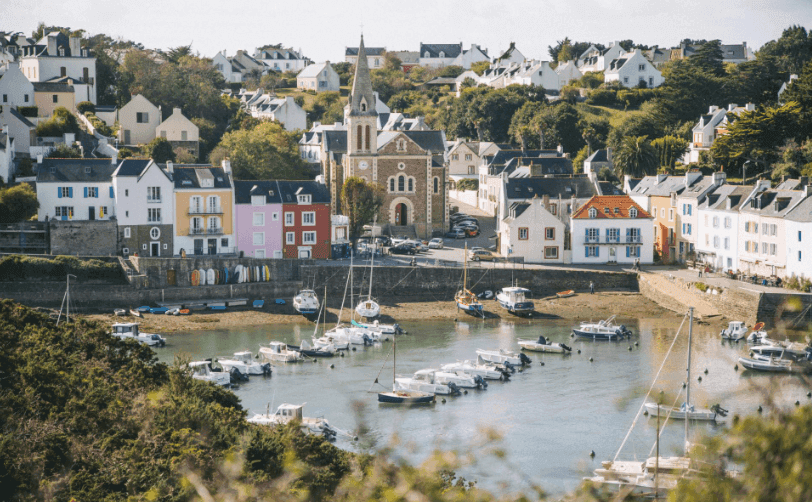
(591, 288)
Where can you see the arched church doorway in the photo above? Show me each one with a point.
(401, 214)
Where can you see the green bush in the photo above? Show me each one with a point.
(18, 268)
(468, 184)
(602, 97)
(60, 123)
(28, 111)
(86, 107)
(701, 286)
(99, 124)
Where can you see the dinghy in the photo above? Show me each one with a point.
(501, 356)
(543, 345)
(565, 294)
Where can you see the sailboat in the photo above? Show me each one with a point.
(464, 298)
(687, 410)
(369, 308)
(402, 396)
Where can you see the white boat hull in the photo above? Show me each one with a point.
(476, 370)
(555, 348)
(368, 309)
(405, 383)
(288, 356)
(500, 356)
(680, 413)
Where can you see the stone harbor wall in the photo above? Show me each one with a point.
(84, 238)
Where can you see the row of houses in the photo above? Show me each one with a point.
(181, 209)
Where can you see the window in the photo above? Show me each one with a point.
(155, 233)
(25, 98)
(259, 253)
(436, 185)
(593, 213)
(523, 232)
(64, 212)
(183, 136)
(592, 235)
(689, 229)
(163, 134)
(224, 242)
(763, 248)
(154, 215)
(304, 198)
(127, 232)
(275, 217)
(455, 157)
(613, 234)
(773, 229)
(773, 249)
(746, 245)
(633, 251)
(468, 156)
(625, 80)
(259, 219)
(259, 238)
(799, 256)
(727, 242)
(309, 218)
(142, 117)
(288, 219)
(632, 235)
(126, 193)
(153, 194)
(55, 98)
(716, 241)
(690, 209)
(125, 251)
(549, 233)
(213, 203)
(799, 236)
(553, 209)
(391, 184)
(411, 185)
(257, 200)
(5, 98)
(662, 213)
(592, 251)
(670, 215)
(641, 67)
(401, 183)
(764, 229)
(633, 212)
(551, 253)
(308, 237)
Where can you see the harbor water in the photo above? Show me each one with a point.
(546, 419)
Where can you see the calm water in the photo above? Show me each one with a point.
(548, 417)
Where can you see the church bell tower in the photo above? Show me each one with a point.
(362, 119)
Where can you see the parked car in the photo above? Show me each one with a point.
(403, 248)
(468, 219)
(472, 232)
(436, 243)
(383, 240)
(456, 234)
(457, 216)
(483, 255)
(418, 245)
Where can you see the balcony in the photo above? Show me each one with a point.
(206, 231)
(204, 211)
(156, 221)
(153, 200)
(634, 239)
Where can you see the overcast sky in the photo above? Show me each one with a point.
(322, 28)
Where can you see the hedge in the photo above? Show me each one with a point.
(18, 268)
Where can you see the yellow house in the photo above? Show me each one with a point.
(48, 96)
(204, 209)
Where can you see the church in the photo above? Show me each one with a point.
(408, 164)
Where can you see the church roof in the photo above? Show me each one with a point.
(362, 86)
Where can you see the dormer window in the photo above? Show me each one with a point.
(442, 54)
(87, 170)
(304, 198)
(593, 213)
(617, 210)
(426, 54)
(633, 212)
(606, 210)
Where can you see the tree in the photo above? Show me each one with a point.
(391, 61)
(266, 151)
(159, 150)
(708, 57)
(182, 156)
(360, 202)
(669, 149)
(61, 122)
(793, 50)
(801, 93)
(18, 203)
(63, 151)
(595, 131)
(85, 106)
(635, 157)
(480, 67)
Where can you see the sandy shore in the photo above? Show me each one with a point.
(625, 305)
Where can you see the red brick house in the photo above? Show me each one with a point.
(305, 219)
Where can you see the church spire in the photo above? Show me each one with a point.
(362, 100)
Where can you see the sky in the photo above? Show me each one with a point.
(323, 28)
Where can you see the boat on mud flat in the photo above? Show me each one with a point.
(306, 302)
(565, 294)
(602, 330)
(774, 364)
(544, 345)
(245, 363)
(514, 300)
(735, 331)
(286, 413)
(501, 356)
(758, 335)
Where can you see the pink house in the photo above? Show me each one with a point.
(258, 214)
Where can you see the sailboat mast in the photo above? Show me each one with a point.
(657, 457)
(465, 269)
(394, 360)
(688, 381)
(372, 261)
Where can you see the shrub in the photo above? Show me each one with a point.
(468, 184)
(701, 286)
(28, 111)
(86, 106)
(60, 123)
(602, 97)
(99, 124)
(25, 268)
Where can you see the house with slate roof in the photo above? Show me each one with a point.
(798, 242)
(48, 96)
(687, 222)
(710, 126)
(632, 69)
(594, 59)
(717, 224)
(56, 56)
(204, 209)
(19, 128)
(567, 72)
(145, 207)
(375, 56)
(15, 89)
(531, 233)
(138, 120)
(612, 229)
(438, 55)
(258, 218)
(282, 60)
(763, 236)
(473, 55)
(180, 132)
(76, 189)
(235, 68)
(318, 77)
(598, 160)
(306, 222)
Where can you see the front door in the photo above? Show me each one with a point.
(401, 214)
(91, 213)
(155, 248)
(170, 277)
(212, 246)
(198, 246)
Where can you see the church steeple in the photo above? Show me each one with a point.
(362, 100)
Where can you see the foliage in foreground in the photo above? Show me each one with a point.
(17, 268)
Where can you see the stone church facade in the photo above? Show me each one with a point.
(409, 165)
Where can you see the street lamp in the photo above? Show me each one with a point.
(744, 171)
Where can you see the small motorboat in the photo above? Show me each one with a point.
(376, 327)
(125, 330)
(544, 345)
(173, 311)
(144, 310)
(565, 294)
(713, 414)
(514, 300)
(785, 350)
(158, 310)
(184, 312)
(135, 313)
(758, 335)
(120, 312)
(202, 370)
(602, 330)
(735, 331)
(293, 412)
(502, 356)
(258, 304)
(245, 363)
(425, 381)
(480, 369)
(774, 365)
(309, 350)
(306, 302)
(279, 351)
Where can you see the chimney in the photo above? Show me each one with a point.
(609, 154)
(750, 107)
(5, 128)
(114, 159)
(712, 109)
(728, 203)
(170, 166)
(719, 178)
(176, 111)
(75, 44)
(226, 164)
(691, 177)
(661, 178)
(731, 107)
(804, 180)
(807, 191)
(52, 46)
(39, 159)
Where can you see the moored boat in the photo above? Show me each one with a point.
(286, 413)
(464, 298)
(245, 363)
(126, 330)
(602, 330)
(481, 369)
(544, 345)
(306, 302)
(735, 331)
(501, 356)
(514, 300)
(279, 351)
(202, 370)
(772, 364)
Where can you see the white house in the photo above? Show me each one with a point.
(688, 200)
(567, 72)
(282, 109)
(15, 89)
(145, 208)
(717, 225)
(6, 155)
(533, 233)
(438, 55)
(612, 229)
(180, 132)
(711, 125)
(763, 234)
(799, 238)
(473, 55)
(784, 86)
(76, 189)
(594, 59)
(138, 121)
(598, 160)
(282, 60)
(511, 55)
(231, 73)
(318, 77)
(537, 73)
(633, 69)
(22, 130)
(375, 56)
(56, 56)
